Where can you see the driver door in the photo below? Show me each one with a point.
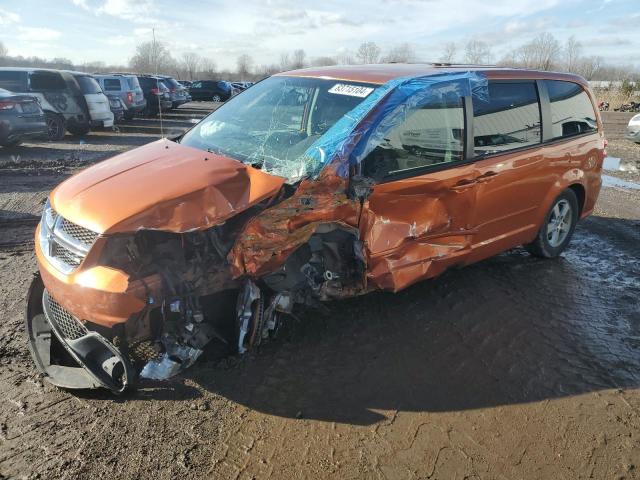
(417, 220)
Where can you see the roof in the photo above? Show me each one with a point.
(382, 73)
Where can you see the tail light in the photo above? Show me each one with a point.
(174, 90)
(155, 91)
(129, 97)
(8, 105)
(606, 144)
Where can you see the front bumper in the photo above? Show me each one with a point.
(66, 352)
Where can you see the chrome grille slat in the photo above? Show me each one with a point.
(80, 234)
(69, 326)
(66, 244)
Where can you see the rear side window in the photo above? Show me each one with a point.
(133, 83)
(571, 109)
(88, 85)
(509, 119)
(12, 81)
(429, 134)
(46, 82)
(112, 84)
(196, 85)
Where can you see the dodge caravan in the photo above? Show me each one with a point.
(312, 185)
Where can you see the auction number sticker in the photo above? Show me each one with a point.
(350, 90)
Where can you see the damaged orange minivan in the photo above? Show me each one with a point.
(312, 185)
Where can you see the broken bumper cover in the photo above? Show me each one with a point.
(66, 352)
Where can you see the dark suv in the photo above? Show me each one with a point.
(211, 90)
(156, 94)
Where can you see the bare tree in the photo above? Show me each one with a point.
(403, 53)
(244, 65)
(477, 51)
(3, 50)
(190, 63)
(346, 58)
(267, 70)
(151, 57)
(285, 62)
(208, 69)
(589, 67)
(368, 52)
(572, 52)
(449, 52)
(298, 59)
(542, 52)
(324, 61)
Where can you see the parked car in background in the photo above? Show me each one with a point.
(633, 129)
(117, 107)
(128, 88)
(20, 118)
(211, 90)
(63, 102)
(156, 94)
(100, 114)
(241, 86)
(185, 83)
(177, 92)
(314, 185)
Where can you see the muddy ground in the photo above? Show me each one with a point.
(515, 367)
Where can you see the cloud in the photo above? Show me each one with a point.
(7, 17)
(82, 4)
(37, 34)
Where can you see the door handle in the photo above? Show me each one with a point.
(487, 176)
(464, 184)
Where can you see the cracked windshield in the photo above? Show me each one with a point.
(271, 125)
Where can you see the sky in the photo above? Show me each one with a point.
(108, 30)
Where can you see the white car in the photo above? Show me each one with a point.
(633, 129)
(98, 103)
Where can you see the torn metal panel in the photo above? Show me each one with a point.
(162, 186)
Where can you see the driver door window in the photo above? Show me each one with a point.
(431, 134)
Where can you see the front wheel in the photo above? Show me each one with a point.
(558, 226)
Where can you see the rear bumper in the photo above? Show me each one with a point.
(21, 127)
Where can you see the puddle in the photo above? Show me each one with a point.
(615, 164)
(609, 181)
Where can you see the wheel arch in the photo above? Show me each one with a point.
(581, 195)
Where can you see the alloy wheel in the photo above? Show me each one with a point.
(559, 223)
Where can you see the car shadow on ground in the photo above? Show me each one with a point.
(512, 329)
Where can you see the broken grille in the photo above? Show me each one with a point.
(69, 326)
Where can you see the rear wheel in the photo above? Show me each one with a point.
(55, 126)
(216, 98)
(558, 226)
(128, 115)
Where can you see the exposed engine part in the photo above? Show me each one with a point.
(176, 358)
(250, 309)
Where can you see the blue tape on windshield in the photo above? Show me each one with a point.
(393, 98)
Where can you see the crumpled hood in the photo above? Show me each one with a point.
(161, 186)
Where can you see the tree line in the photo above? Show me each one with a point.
(544, 52)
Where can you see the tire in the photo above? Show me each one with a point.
(128, 116)
(55, 126)
(216, 98)
(555, 233)
(79, 131)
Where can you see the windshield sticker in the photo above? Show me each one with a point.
(350, 90)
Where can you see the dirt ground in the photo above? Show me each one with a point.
(513, 368)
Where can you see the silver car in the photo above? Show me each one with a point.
(127, 88)
(633, 129)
